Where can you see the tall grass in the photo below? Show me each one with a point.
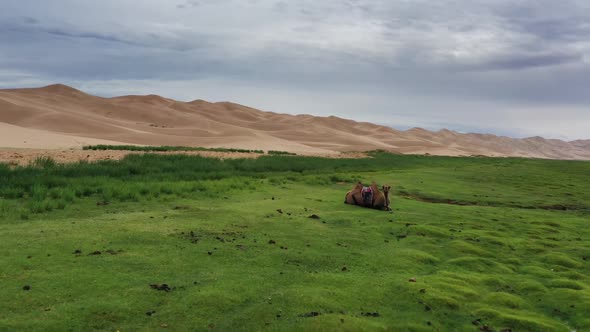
(45, 185)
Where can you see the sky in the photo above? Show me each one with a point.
(509, 67)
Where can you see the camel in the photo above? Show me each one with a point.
(379, 199)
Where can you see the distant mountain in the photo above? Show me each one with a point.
(154, 120)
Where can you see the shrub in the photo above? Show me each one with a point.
(166, 148)
(284, 153)
(44, 162)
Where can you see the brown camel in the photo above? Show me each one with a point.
(380, 199)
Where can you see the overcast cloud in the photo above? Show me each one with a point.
(517, 68)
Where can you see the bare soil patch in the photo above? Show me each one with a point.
(24, 157)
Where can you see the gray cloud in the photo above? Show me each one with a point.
(533, 60)
(456, 54)
(30, 20)
(60, 32)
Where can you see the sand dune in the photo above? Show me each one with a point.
(59, 116)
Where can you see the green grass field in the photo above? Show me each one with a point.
(185, 243)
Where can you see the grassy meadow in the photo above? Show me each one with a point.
(186, 243)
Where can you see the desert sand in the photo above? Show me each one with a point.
(25, 138)
(60, 117)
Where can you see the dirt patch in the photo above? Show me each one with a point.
(559, 207)
(436, 200)
(370, 314)
(310, 314)
(109, 251)
(190, 236)
(161, 287)
(23, 157)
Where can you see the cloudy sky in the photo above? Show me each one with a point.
(511, 67)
